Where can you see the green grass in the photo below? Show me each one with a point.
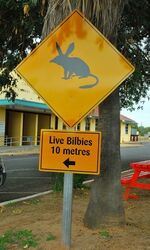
(50, 236)
(22, 238)
(11, 204)
(104, 234)
(34, 201)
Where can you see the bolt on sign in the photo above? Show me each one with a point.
(65, 151)
(74, 69)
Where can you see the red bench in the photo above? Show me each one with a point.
(129, 179)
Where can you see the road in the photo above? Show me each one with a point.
(134, 153)
(23, 177)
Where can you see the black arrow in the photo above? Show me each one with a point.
(69, 163)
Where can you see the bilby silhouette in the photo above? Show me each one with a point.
(73, 66)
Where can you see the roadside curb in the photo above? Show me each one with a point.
(131, 145)
(89, 182)
(19, 150)
(25, 198)
(18, 153)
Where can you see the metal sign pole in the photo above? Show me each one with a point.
(67, 209)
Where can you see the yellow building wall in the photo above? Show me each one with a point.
(23, 90)
(123, 136)
(82, 125)
(15, 126)
(60, 124)
(53, 121)
(2, 125)
(30, 129)
(92, 124)
(43, 122)
(2, 114)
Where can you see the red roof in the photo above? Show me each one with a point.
(126, 119)
(94, 112)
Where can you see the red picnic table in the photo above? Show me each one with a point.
(140, 170)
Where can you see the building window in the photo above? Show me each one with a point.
(87, 124)
(126, 128)
(78, 126)
(96, 124)
(64, 127)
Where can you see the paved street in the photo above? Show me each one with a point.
(133, 153)
(23, 177)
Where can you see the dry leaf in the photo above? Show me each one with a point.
(17, 211)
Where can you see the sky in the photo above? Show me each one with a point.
(141, 116)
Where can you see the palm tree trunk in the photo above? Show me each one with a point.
(105, 205)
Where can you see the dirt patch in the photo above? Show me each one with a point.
(44, 216)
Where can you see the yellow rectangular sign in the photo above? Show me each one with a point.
(69, 151)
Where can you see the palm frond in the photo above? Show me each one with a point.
(104, 14)
(34, 2)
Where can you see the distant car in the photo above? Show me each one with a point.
(2, 172)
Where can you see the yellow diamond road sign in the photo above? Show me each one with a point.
(74, 69)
